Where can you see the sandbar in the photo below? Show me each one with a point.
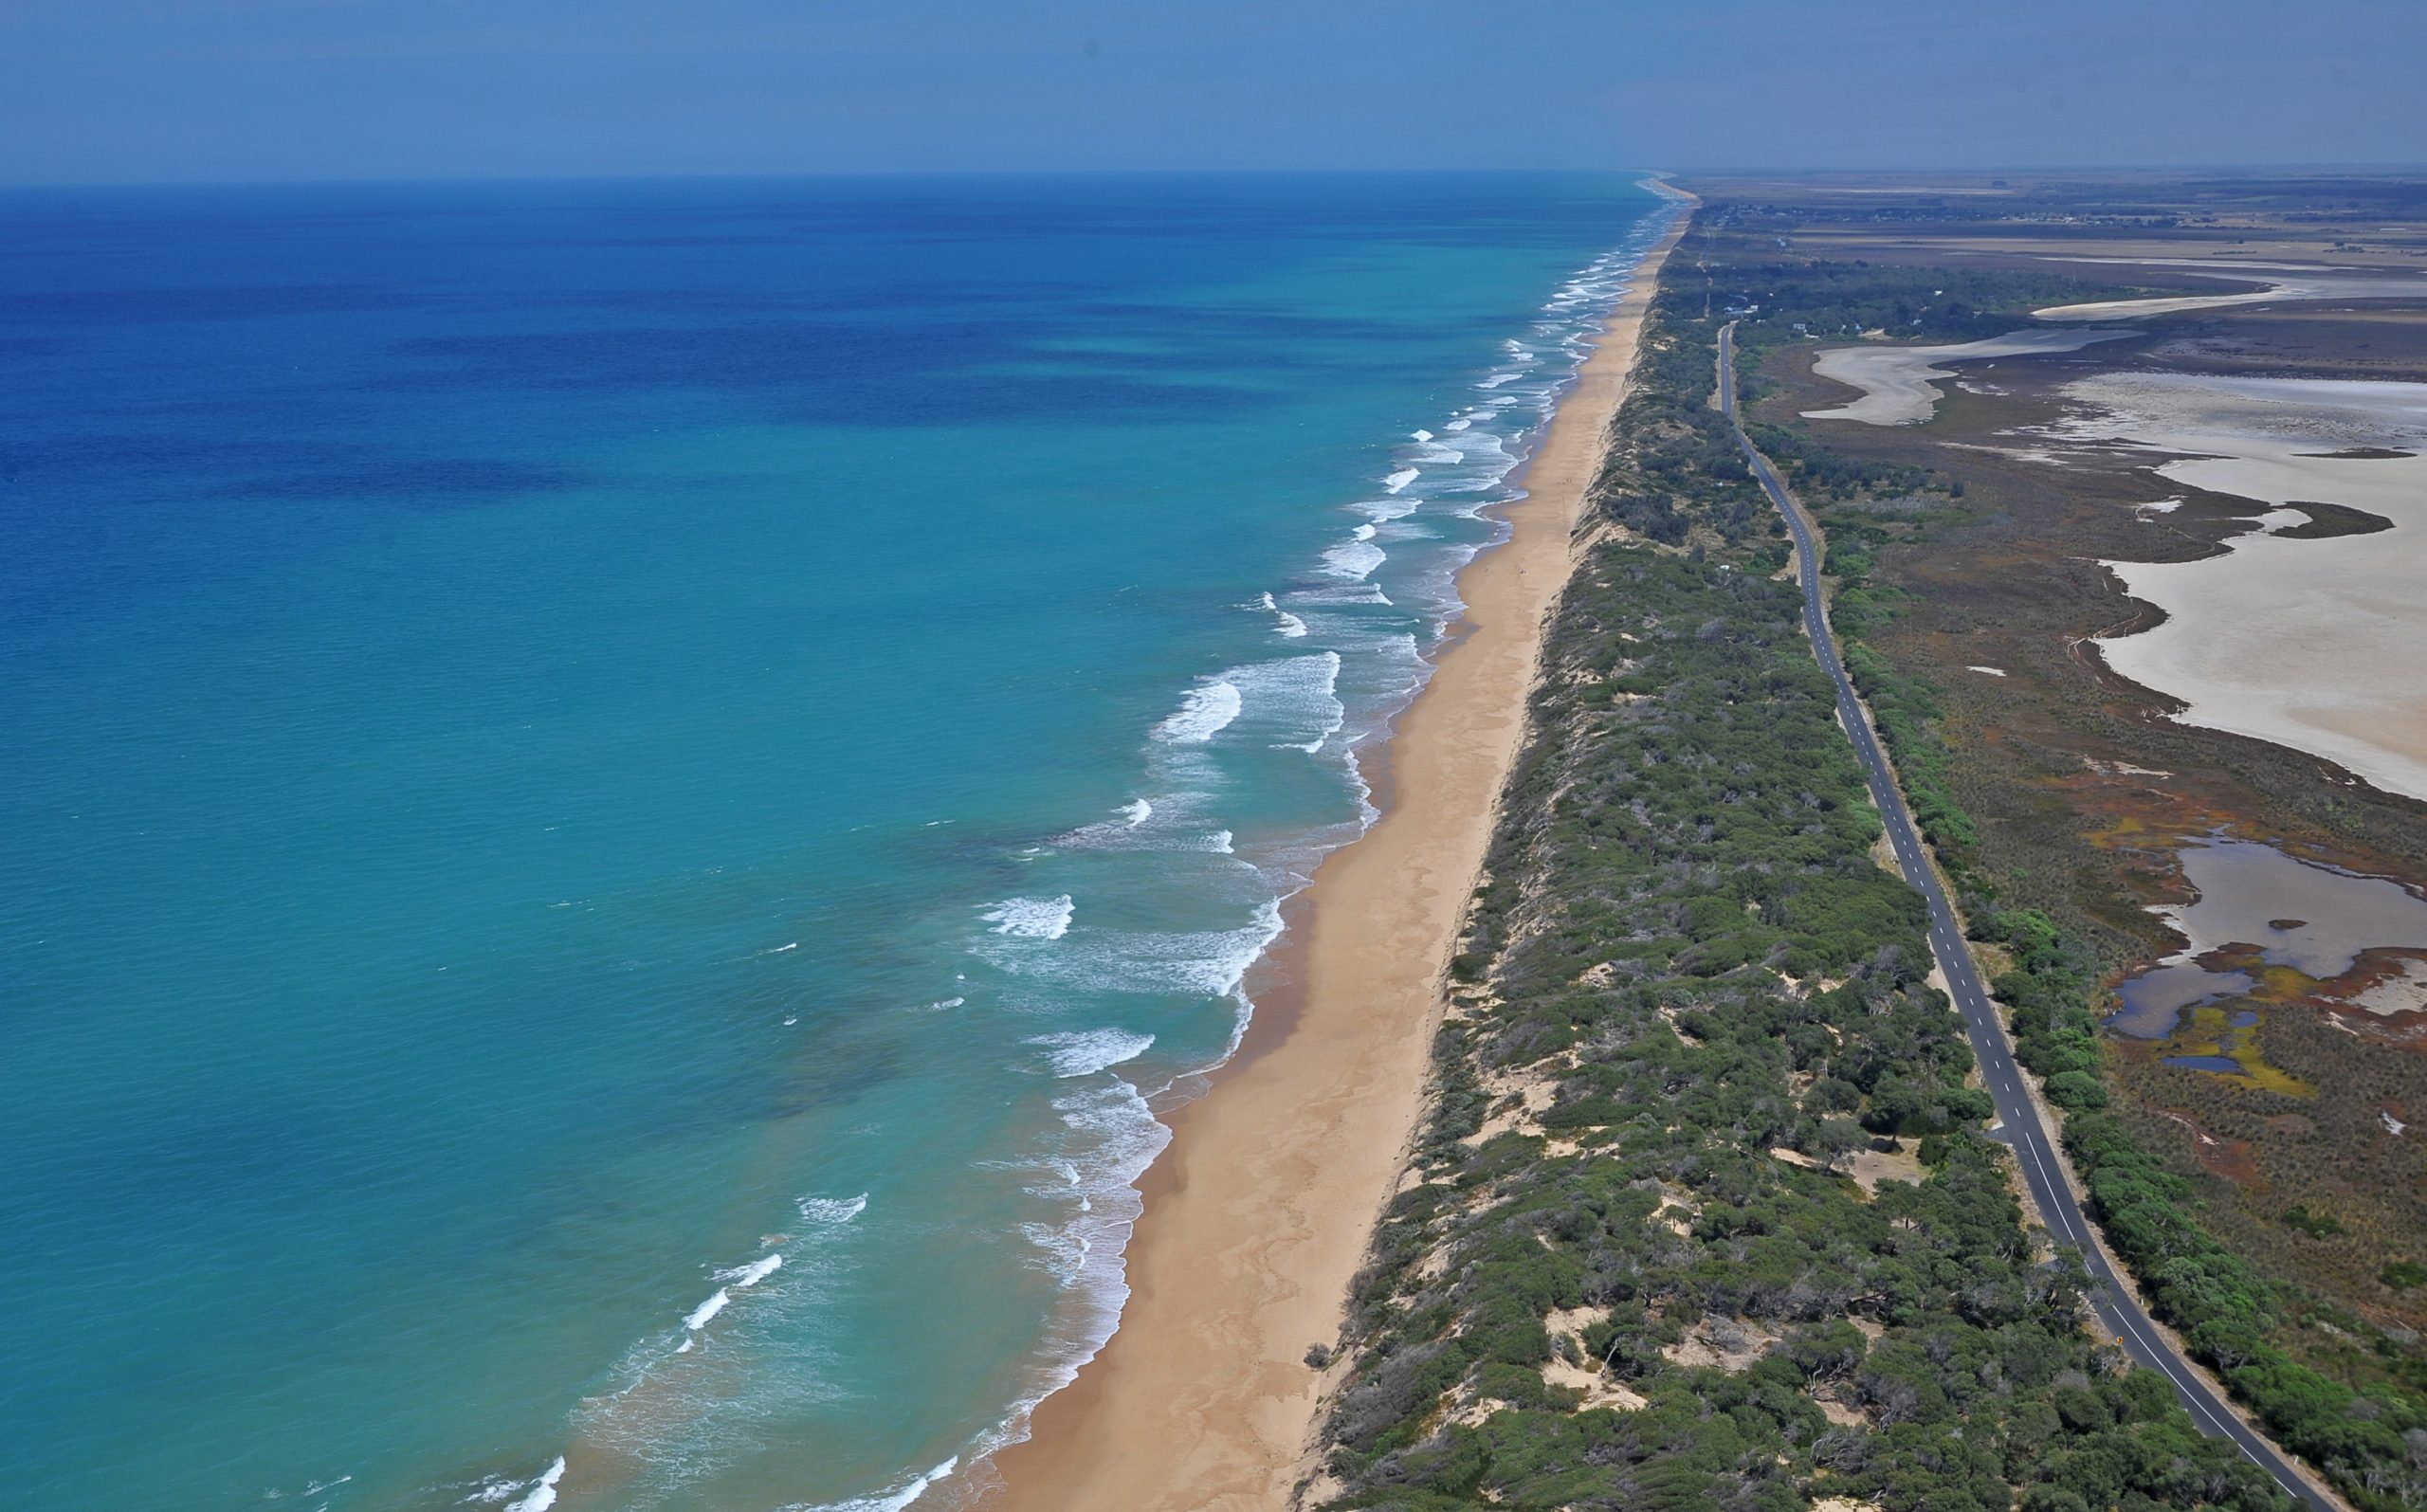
(1261, 1211)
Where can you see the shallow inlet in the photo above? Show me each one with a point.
(2295, 913)
(2153, 1001)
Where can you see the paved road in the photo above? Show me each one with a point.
(2019, 1121)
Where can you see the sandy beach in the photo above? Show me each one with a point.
(1258, 1215)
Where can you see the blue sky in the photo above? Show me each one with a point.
(168, 90)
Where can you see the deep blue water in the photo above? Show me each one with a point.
(565, 743)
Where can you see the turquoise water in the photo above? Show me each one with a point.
(621, 798)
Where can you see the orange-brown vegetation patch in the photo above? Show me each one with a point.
(2383, 997)
(2234, 1159)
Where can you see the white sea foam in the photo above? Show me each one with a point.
(741, 1278)
(1486, 448)
(1085, 1052)
(1061, 1252)
(1119, 1137)
(753, 1273)
(1109, 1134)
(542, 1494)
(944, 1003)
(1287, 701)
(1203, 711)
(1341, 594)
(1031, 918)
(1137, 812)
(1288, 626)
(1352, 559)
(1207, 963)
(832, 1210)
(1291, 700)
(894, 1499)
(1399, 668)
(1109, 1137)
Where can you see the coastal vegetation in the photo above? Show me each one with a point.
(2326, 520)
(2346, 1392)
(2365, 1426)
(1701, 1213)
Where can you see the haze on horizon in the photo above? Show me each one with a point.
(210, 90)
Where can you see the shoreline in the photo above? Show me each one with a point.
(1261, 1211)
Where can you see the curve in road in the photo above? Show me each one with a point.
(2018, 1126)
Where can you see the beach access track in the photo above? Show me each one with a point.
(2019, 1125)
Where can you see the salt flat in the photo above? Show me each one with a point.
(2271, 283)
(1898, 383)
(2310, 644)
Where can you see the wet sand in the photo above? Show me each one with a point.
(2308, 644)
(1260, 1212)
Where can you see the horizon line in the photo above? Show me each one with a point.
(2356, 169)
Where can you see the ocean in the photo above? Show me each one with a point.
(623, 799)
